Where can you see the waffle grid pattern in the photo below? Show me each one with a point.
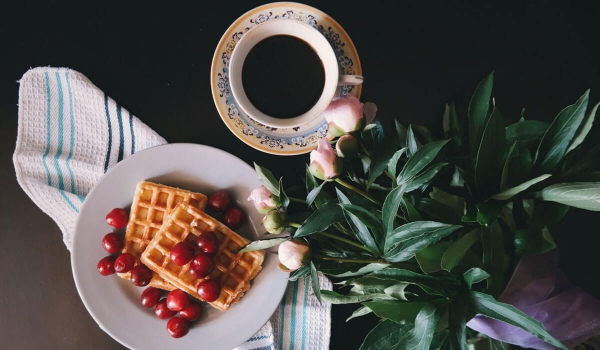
(234, 271)
(151, 205)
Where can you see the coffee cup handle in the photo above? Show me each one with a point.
(350, 80)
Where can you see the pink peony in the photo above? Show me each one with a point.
(344, 115)
(293, 254)
(264, 200)
(324, 162)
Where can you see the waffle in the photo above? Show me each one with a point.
(233, 270)
(151, 204)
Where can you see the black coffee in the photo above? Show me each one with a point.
(283, 77)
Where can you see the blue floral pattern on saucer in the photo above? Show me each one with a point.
(279, 141)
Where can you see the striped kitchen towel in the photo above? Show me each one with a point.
(70, 133)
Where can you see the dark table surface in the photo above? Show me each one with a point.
(154, 59)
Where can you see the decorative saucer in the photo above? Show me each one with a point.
(279, 141)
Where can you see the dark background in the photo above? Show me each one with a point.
(154, 59)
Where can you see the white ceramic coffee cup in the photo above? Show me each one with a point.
(321, 47)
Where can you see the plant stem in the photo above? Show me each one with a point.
(358, 190)
(363, 261)
(336, 237)
(297, 200)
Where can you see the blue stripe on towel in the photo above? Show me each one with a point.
(72, 135)
(293, 316)
(61, 184)
(282, 321)
(109, 133)
(132, 134)
(259, 338)
(268, 347)
(48, 131)
(121, 138)
(304, 307)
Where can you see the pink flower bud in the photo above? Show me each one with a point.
(264, 200)
(324, 162)
(346, 146)
(344, 115)
(293, 254)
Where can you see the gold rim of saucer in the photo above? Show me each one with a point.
(278, 141)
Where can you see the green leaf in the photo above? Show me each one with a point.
(301, 272)
(429, 284)
(425, 177)
(320, 219)
(410, 212)
(411, 142)
(420, 337)
(401, 132)
(488, 306)
(505, 169)
(588, 162)
(359, 312)
(560, 135)
(533, 240)
(458, 249)
(385, 335)
(262, 244)
(457, 325)
(265, 176)
(490, 155)
(313, 194)
(380, 159)
(339, 299)
(362, 271)
(440, 341)
(520, 166)
(584, 128)
(438, 211)
(457, 203)
(509, 193)
(469, 181)
(397, 290)
(430, 258)
(488, 212)
(393, 163)
(493, 256)
(453, 128)
(360, 219)
(396, 310)
(420, 160)
(283, 198)
(314, 279)
(390, 208)
(525, 130)
(475, 275)
(416, 233)
(583, 195)
(478, 109)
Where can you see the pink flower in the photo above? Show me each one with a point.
(324, 162)
(293, 254)
(264, 200)
(347, 115)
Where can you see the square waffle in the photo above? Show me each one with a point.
(233, 270)
(152, 203)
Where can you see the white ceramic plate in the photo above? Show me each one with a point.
(114, 303)
(279, 141)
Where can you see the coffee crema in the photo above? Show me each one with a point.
(283, 76)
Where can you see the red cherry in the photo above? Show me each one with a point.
(208, 242)
(162, 311)
(177, 327)
(150, 297)
(177, 300)
(201, 265)
(106, 265)
(233, 218)
(112, 243)
(140, 275)
(192, 312)
(219, 201)
(209, 290)
(124, 263)
(181, 253)
(117, 218)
